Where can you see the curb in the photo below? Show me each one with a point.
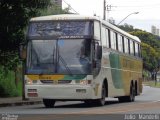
(22, 103)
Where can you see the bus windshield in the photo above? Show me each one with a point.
(61, 56)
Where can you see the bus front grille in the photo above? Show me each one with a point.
(56, 81)
(47, 81)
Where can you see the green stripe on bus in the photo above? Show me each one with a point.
(74, 77)
(115, 70)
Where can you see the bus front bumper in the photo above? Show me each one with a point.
(61, 92)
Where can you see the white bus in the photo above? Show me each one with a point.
(81, 58)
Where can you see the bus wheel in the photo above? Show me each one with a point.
(49, 103)
(101, 101)
(130, 98)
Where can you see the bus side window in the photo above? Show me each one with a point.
(113, 39)
(126, 50)
(116, 37)
(120, 43)
(131, 48)
(107, 38)
(123, 45)
(129, 51)
(137, 49)
(97, 30)
(104, 37)
(134, 53)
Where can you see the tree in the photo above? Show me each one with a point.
(54, 9)
(126, 27)
(15, 15)
(150, 57)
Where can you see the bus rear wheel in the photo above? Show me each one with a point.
(49, 103)
(130, 98)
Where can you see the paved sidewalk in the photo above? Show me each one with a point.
(17, 101)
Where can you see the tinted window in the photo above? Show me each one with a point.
(107, 37)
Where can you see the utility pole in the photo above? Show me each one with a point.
(107, 8)
(104, 10)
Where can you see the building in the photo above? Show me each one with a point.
(155, 30)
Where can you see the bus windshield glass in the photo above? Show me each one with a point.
(60, 56)
(71, 29)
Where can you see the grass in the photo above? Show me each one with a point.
(19, 88)
(7, 84)
(152, 84)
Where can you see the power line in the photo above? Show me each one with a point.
(70, 7)
(142, 5)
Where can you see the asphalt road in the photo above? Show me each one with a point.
(147, 103)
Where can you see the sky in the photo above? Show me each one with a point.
(149, 11)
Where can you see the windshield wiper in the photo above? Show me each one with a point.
(59, 57)
(65, 64)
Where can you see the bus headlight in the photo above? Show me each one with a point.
(84, 82)
(29, 82)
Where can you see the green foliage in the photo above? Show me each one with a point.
(152, 84)
(14, 15)
(19, 88)
(7, 85)
(126, 27)
(150, 57)
(53, 9)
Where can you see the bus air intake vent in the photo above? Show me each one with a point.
(47, 81)
(56, 82)
(64, 81)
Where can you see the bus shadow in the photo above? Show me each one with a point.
(84, 105)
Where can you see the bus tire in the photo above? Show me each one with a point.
(130, 98)
(101, 101)
(49, 103)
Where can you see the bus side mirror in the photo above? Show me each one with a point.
(22, 51)
(98, 56)
(99, 52)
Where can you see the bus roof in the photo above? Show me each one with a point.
(82, 17)
(65, 17)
